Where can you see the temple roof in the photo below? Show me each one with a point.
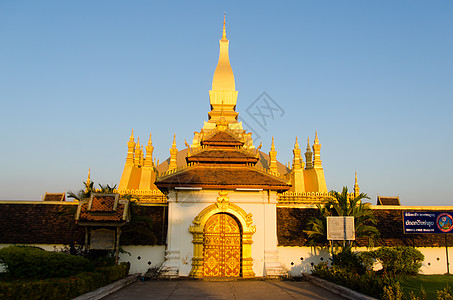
(222, 138)
(101, 209)
(223, 177)
(222, 156)
(388, 200)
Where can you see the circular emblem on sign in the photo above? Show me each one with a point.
(445, 222)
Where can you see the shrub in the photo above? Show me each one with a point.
(63, 288)
(399, 260)
(392, 292)
(368, 283)
(36, 263)
(350, 261)
(445, 294)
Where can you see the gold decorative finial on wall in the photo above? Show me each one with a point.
(87, 185)
(356, 187)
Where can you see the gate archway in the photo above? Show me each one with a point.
(243, 221)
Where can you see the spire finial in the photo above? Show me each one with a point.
(296, 145)
(316, 138)
(131, 138)
(273, 146)
(174, 141)
(150, 142)
(308, 144)
(224, 31)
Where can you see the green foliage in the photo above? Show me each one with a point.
(88, 189)
(445, 294)
(140, 224)
(392, 292)
(413, 295)
(63, 288)
(368, 283)
(343, 205)
(36, 263)
(399, 260)
(350, 261)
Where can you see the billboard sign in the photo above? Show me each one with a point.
(340, 229)
(427, 222)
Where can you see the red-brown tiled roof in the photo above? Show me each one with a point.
(113, 216)
(44, 223)
(101, 203)
(388, 200)
(222, 156)
(40, 223)
(54, 197)
(222, 138)
(223, 176)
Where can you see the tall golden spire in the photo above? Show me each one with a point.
(223, 93)
(223, 76)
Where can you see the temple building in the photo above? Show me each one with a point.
(222, 191)
(220, 207)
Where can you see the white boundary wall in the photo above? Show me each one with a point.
(299, 259)
(143, 258)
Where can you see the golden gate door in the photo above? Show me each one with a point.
(222, 247)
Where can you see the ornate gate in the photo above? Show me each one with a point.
(222, 247)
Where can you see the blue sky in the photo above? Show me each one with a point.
(374, 78)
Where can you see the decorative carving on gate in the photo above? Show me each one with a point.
(244, 222)
(222, 247)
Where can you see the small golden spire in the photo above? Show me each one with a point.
(150, 142)
(173, 145)
(356, 187)
(173, 152)
(88, 180)
(296, 145)
(131, 138)
(224, 31)
(308, 144)
(273, 146)
(316, 138)
(138, 142)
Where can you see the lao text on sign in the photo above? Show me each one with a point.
(427, 222)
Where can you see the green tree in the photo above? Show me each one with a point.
(343, 205)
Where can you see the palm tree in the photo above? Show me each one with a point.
(89, 188)
(343, 205)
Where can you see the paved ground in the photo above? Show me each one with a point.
(214, 290)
